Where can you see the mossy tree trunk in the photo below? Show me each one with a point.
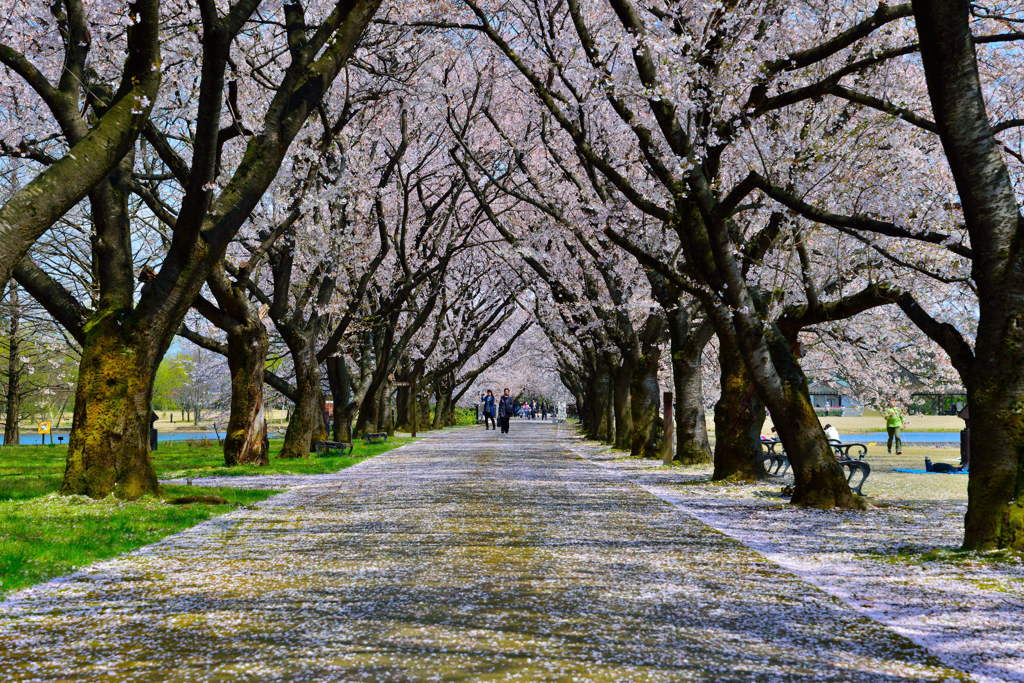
(739, 416)
(443, 396)
(340, 382)
(621, 381)
(994, 372)
(246, 442)
(371, 411)
(739, 320)
(646, 438)
(125, 337)
(306, 425)
(818, 480)
(995, 490)
(108, 452)
(596, 412)
(404, 407)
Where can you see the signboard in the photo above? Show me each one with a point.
(44, 427)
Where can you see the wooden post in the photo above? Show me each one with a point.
(666, 400)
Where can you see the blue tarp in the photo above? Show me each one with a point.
(903, 469)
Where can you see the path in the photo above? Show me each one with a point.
(462, 556)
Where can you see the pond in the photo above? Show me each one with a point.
(908, 437)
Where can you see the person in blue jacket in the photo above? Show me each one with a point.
(490, 410)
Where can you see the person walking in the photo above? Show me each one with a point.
(490, 410)
(893, 424)
(544, 411)
(506, 409)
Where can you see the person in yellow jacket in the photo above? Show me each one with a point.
(894, 422)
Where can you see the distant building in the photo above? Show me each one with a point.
(834, 399)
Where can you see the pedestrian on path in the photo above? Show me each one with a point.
(490, 409)
(893, 424)
(506, 409)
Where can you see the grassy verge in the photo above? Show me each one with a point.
(43, 535)
(31, 471)
(176, 462)
(951, 556)
(51, 535)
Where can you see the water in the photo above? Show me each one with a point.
(33, 439)
(908, 437)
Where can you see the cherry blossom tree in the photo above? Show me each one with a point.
(960, 99)
(212, 175)
(665, 128)
(65, 109)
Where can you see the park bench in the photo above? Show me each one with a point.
(376, 437)
(774, 459)
(850, 457)
(848, 451)
(325, 447)
(776, 463)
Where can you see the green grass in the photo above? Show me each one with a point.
(179, 461)
(31, 471)
(52, 535)
(953, 556)
(43, 535)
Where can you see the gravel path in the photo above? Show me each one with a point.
(464, 556)
(895, 563)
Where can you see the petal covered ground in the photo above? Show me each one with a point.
(465, 555)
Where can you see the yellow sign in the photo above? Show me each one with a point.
(44, 427)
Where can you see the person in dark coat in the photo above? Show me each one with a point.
(490, 409)
(506, 409)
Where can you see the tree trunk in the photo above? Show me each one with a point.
(370, 410)
(306, 426)
(12, 433)
(246, 441)
(647, 430)
(441, 410)
(340, 382)
(449, 417)
(995, 490)
(991, 208)
(423, 406)
(109, 447)
(818, 480)
(599, 400)
(687, 348)
(739, 416)
(622, 380)
(404, 407)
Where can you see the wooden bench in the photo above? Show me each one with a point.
(776, 463)
(323, 448)
(376, 437)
